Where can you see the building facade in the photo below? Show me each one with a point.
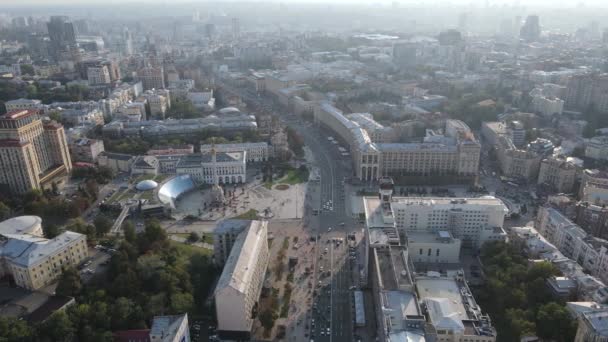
(573, 242)
(86, 150)
(557, 174)
(228, 167)
(152, 77)
(33, 261)
(255, 152)
(240, 284)
(32, 153)
(453, 153)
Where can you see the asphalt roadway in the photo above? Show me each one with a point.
(332, 308)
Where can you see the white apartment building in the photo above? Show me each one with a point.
(33, 261)
(547, 106)
(229, 167)
(22, 104)
(558, 174)
(255, 152)
(439, 247)
(597, 148)
(471, 220)
(594, 187)
(573, 242)
(240, 284)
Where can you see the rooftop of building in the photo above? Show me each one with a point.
(442, 236)
(239, 268)
(235, 145)
(393, 268)
(450, 304)
(26, 250)
(118, 156)
(192, 160)
(53, 304)
(20, 225)
(598, 321)
(167, 327)
(18, 114)
(455, 202)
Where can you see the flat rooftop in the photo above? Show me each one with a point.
(442, 288)
(375, 213)
(428, 237)
(393, 268)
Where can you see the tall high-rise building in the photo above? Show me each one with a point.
(32, 153)
(530, 32)
(236, 28)
(61, 34)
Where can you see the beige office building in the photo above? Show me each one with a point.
(454, 152)
(32, 154)
(33, 261)
(557, 173)
(240, 284)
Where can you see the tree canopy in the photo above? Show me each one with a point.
(517, 298)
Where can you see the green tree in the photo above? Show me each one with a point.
(193, 237)
(181, 302)
(27, 69)
(79, 225)
(55, 115)
(102, 225)
(13, 329)
(57, 328)
(554, 323)
(128, 229)
(51, 230)
(5, 211)
(69, 283)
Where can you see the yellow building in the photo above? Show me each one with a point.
(32, 260)
(32, 153)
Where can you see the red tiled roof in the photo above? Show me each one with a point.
(19, 113)
(140, 335)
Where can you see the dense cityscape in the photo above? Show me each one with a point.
(302, 171)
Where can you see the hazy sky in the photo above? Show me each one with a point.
(480, 3)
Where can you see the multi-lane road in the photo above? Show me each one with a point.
(331, 310)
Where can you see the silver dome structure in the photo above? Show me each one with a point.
(145, 185)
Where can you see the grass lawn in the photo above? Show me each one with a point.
(251, 214)
(126, 194)
(147, 195)
(188, 250)
(206, 237)
(294, 177)
(114, 197)
(160, 178)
